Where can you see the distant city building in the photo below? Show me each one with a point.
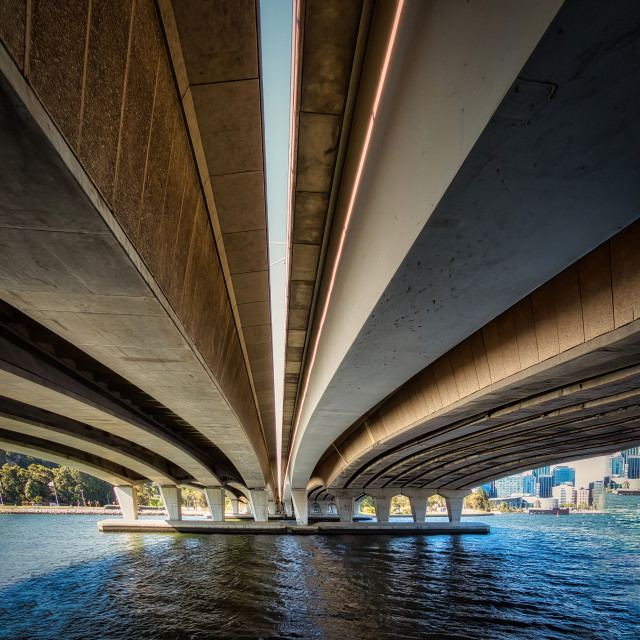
(489, 488)
(564, 493)
(633, 467)
(511, 484)
(528, 484)
(615, 465)
(542, 471)
(582, 496)
(613, 482)
(634, 451)
(597, 492)
(563, 474)
(543, 486)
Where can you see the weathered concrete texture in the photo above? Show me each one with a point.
(13, 20)
(461, 214)
(106, 64)
(56, 59)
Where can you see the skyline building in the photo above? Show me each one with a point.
(563, 474)
(615, 464)
(541, 471)
(528, 484)
(544, 486)
(596, 489)
(633, 467)
(634, 451)
(564, 493)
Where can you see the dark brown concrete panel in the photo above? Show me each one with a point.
(195, 265)
(330, 34)
(137, 114)
(56, 60)
(13, 19)
(464, 369)
(218, 39)
(525, 333)
(309, 217)
(182, 245)
(251, 287)
(568, 303)
(240, 201)
(625, 274)
(597, 297)
(544, 314)
(167, 217)
(104, 89)
(165, 107)
(246, 251)
(229, 118)
(317, 148)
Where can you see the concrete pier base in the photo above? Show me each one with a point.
(259, 504)
(282, 527)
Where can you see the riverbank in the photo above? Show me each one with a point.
(89, 511)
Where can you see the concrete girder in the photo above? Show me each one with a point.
(31, 389)
(80, 460)
(92, 441)
(67, 232)
(402, 320)
(454, 500)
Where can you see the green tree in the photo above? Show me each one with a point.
(366, 506)
(67, 485)
(435, 501)
(13, 480)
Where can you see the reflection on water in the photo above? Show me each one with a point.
(532, 577)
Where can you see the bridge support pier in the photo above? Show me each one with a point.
(382, 506)
(288, 508)
(345, 500)
(258, 499)
(300, 506)
(271, 507)
(234, 505)
(419, 508)
(128, 500)
(215, 501)
(454, 499)
(172, 498)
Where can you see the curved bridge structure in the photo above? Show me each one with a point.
(463, 284)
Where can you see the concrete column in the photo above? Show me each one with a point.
(300, 505)
(382, 505)
(454, 500)
(271, 508)
(172, 498)
(288, 508)
(258, 499)
(234, 506)
(128, 500)
(345, 508)
(356, 505)
(215, 500)
(419, 508)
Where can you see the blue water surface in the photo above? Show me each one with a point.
(533, 577)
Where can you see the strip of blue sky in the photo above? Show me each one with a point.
(275, 26)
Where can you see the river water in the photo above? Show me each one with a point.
(533, 577)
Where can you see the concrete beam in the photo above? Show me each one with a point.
(128, 500)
